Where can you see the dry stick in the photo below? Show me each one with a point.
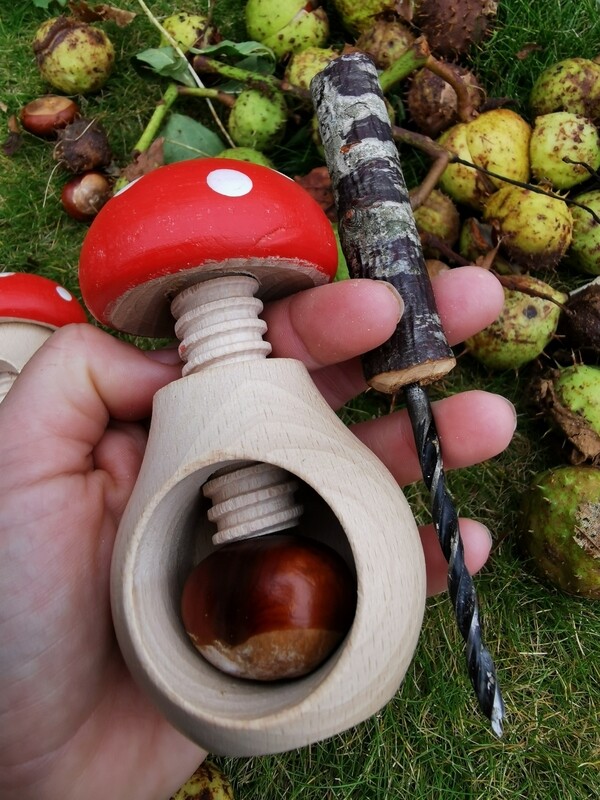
(167, 36)
(440, 159)
(454, 159)
(380, 240)
(419, 56)
(253, 80)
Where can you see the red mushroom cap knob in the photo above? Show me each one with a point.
(31, 298)
(194, 220)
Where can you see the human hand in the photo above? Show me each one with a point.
(72, 437)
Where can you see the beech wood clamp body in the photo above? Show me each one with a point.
(202, 241)
(380, 240)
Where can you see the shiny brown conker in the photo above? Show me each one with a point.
(84, 195)
(269, 608)
(48, 114)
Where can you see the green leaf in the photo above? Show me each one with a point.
(167, 62)
(186, 138)
(250, 55)
(47, 3)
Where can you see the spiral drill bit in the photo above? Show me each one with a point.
(380, 241)
(461, 587)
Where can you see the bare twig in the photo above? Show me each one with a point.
(191, 70)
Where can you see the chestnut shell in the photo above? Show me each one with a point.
(270, 607)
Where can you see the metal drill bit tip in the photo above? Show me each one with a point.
(460, 583)
(497, 715)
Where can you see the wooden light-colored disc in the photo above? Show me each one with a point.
(265, 411)
(19, 341)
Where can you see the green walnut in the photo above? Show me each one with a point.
(524, 327)
(462, 183)
(579, 388)
(438, 223)
(258, 120)
(499, 141)
(584, 252)
(246, 154)
(475, 239)
(207, 783)
(73, 56)
(534, 228)
(564, 147)
(561, 528)
(287, 26)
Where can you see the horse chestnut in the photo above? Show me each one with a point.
(287, 26)
(268, 608)
(84, 195)
(83, 145)
(72, 56)
(46, 115)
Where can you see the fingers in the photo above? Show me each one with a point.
(477, 543)
(468, 299)
(333, 323)
(329, 326)
(59, 407)
(119, 456)
(473, 426)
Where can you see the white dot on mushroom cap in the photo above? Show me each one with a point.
(63, 293)
(6, 274)
(230, 182)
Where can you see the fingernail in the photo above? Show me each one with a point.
(487, 531)
(166, 355)
(397, 296)
(513, 409)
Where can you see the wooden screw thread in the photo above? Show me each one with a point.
(251, 500)
(380, 241)
(217, 323)
(461, 587)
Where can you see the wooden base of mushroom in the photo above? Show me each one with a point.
(18, 342)
(263, 411)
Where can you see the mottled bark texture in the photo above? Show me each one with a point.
(376, 225)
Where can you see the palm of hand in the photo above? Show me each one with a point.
(65, 679)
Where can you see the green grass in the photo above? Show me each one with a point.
(430, 742)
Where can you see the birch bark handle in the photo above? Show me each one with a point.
(376, 225)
